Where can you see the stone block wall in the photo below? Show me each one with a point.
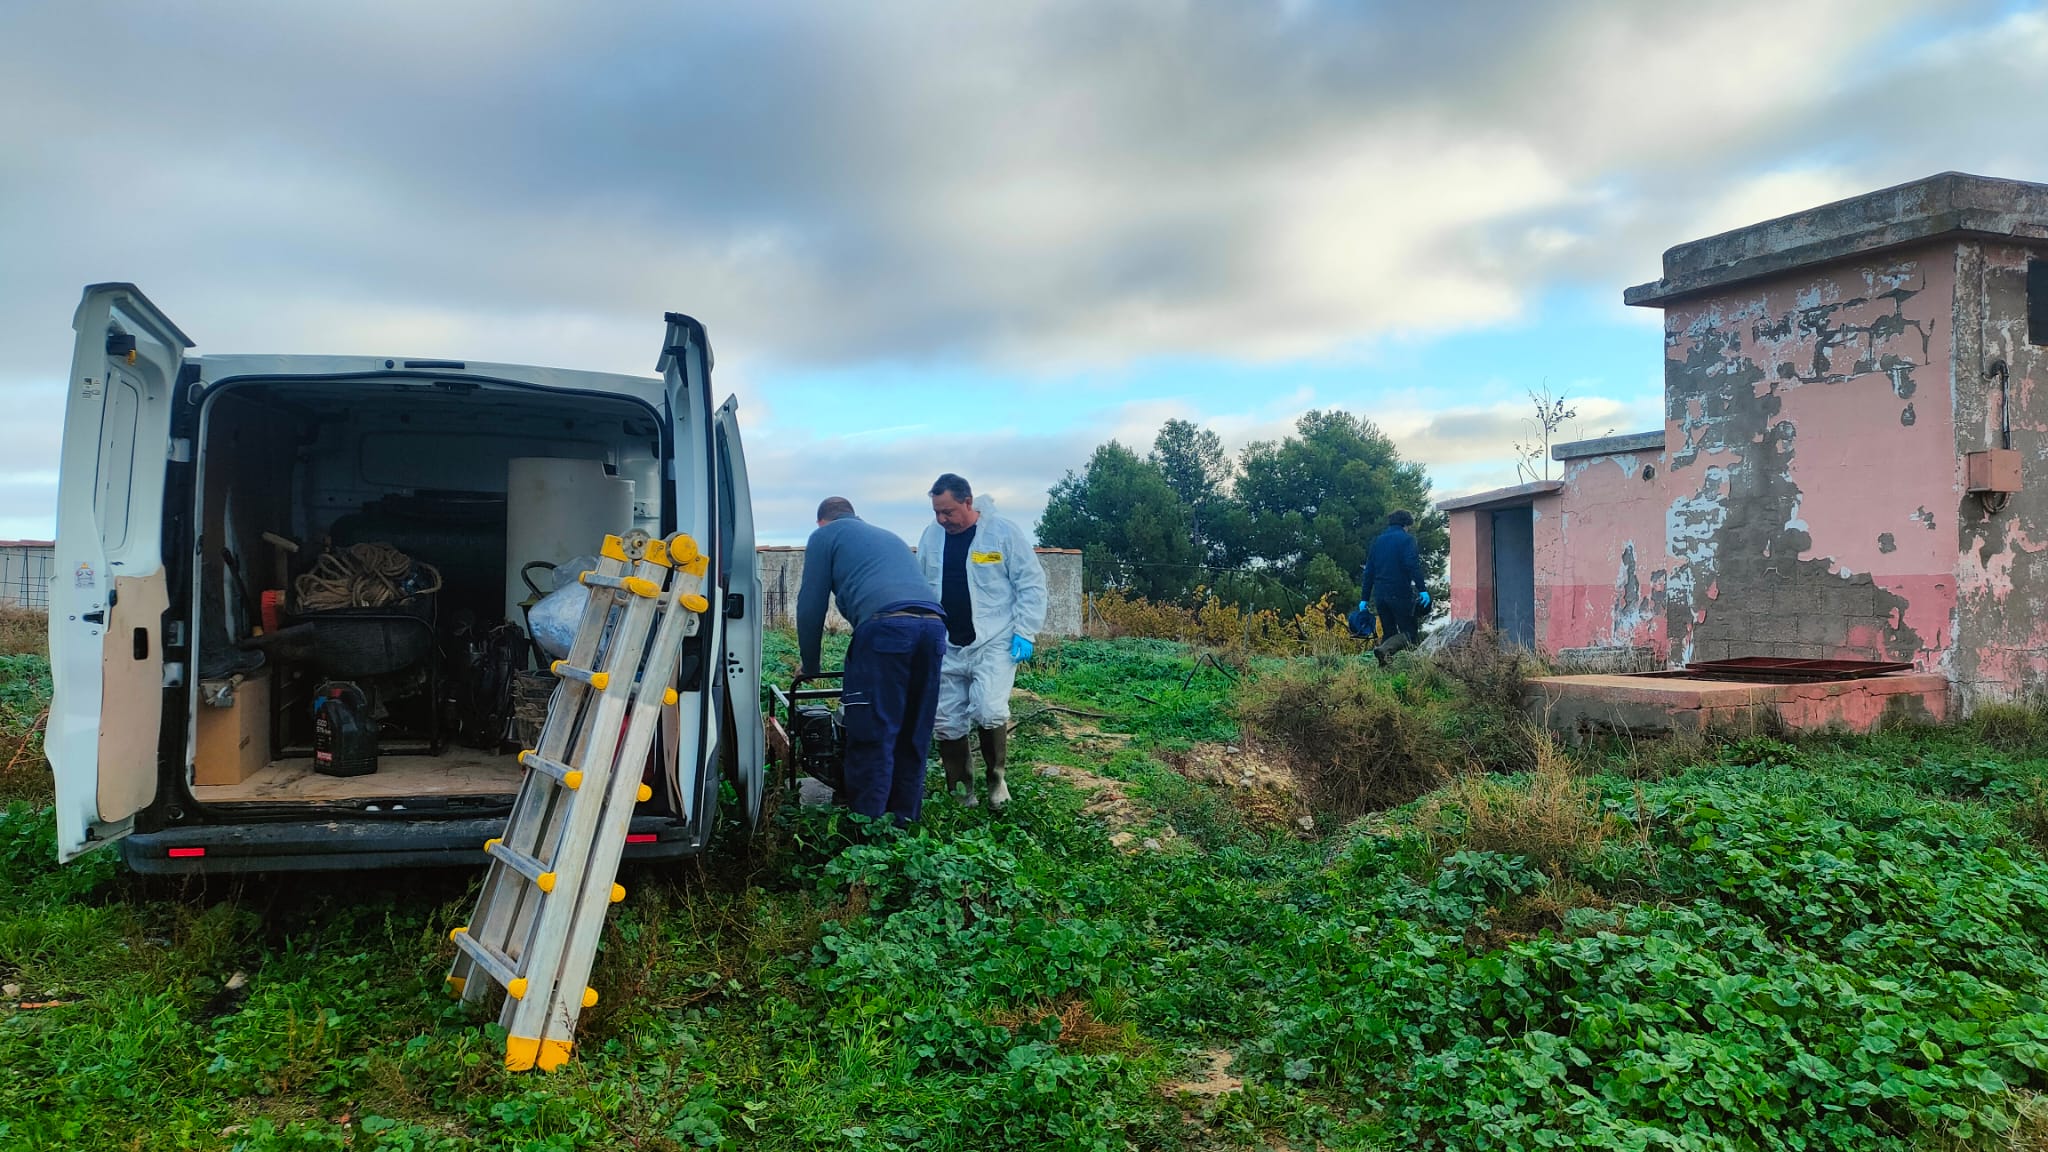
(782, 575)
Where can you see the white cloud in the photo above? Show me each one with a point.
(1042, 186)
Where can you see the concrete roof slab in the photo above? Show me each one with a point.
(1949, 204)
(1502, 497)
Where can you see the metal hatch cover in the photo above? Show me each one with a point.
(1778, 669)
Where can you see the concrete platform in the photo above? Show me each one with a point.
(1648, 705)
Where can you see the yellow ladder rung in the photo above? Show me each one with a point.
(568, 671)
(554, 770)
(638, 586)
(521, 863)
(495, 963)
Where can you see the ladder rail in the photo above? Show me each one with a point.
(618, 661)
(682, 618)
(503, 894)
(550, 921)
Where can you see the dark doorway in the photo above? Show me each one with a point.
(1514, 574)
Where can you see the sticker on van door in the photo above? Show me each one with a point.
(83, 578)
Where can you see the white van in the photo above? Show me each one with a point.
(187, 482)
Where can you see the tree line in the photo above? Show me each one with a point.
(1283, 524)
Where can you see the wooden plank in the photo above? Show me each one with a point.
(460, 772)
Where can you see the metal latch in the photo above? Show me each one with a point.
(735, 606)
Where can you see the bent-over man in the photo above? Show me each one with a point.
(987, 577)
(891, 690)
(1393, 585)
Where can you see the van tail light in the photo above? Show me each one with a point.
(641, 838)
(185, 853)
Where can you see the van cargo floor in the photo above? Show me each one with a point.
(459, 772)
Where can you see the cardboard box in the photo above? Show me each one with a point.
(234, 742)
(1994, 470)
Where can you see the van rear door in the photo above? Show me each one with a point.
(685, 368)
(110, 589)
(742, 577)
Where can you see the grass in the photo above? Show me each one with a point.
(24, 695)
(1828, 944)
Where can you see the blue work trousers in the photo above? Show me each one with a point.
(890, 695)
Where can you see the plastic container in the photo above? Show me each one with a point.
(556, 509)
(344, 736)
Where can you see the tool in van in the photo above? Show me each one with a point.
(553, 872)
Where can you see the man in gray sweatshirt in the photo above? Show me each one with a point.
(891, 691)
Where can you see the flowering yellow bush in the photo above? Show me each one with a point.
(1213, 623)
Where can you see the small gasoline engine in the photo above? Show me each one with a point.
(816, 731)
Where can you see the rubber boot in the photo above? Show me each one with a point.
(954, 755)
(995, 754)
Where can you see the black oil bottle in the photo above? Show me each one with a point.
(344, 736)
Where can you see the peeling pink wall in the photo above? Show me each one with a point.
(2001, 561)
(1813, 467)
(1471, 566)
(1810, 500)
(1603, 582)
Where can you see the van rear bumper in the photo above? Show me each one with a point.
(350, 845)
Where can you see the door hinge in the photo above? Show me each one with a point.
(735, 606)
(181, 450)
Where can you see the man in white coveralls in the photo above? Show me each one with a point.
(985, 574)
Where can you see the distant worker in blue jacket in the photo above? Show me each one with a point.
(1393, 588)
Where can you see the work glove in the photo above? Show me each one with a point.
(1425, 598)
(1361, 605)
(1020, 649)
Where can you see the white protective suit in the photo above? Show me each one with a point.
(1006, 584)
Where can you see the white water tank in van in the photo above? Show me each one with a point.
(555, 509)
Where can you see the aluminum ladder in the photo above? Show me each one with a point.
(553, 873)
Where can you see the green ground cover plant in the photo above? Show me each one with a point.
(1827, 944)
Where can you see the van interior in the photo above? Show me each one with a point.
(371, 541)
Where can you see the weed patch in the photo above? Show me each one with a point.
(1550, 818)
(24, 631)
(2019, 727)
(1352, 743)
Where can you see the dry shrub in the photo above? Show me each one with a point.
(1492, 673)
(1079, 1030)
(1546, 908)
(1552, 818)
(2030, 815)
(2018, 727)
(1353, 745)
(1208, 621)
(23, 630)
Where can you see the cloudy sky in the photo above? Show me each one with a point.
(977, 237)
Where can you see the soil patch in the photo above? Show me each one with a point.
(1110, 800)
(1261, 786)
(1209, 1078)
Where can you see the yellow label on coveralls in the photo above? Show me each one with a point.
(986, 557)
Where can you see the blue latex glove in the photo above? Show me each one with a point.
(1425, 598)
(1020, 649)
(1361, 605)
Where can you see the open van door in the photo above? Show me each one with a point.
(691, 729)
(748, 747)
(110, 589)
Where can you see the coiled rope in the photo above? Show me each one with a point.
(362, 576)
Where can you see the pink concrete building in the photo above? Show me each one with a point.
(1850, 467)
